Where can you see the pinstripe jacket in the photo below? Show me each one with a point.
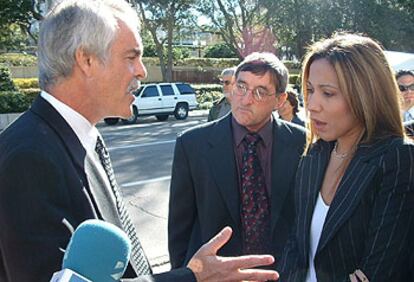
(369, 225)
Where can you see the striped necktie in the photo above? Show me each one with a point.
(137, 256)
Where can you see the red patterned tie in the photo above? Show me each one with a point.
(255, 206)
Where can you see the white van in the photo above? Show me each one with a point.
(161, 100)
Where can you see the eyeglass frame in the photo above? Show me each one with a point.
(404, 88)
(242, 92)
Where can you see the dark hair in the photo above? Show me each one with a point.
(403, 72)
(292, 97)
(261, 63)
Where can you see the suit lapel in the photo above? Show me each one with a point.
(351, 189)
(222, 161)
(94, 178)
(62, 129)
(282, 170)
(311, 173)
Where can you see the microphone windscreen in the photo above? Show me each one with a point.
(98, 250)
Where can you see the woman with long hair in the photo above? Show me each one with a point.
(354, 192)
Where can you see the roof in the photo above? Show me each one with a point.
(400, 60)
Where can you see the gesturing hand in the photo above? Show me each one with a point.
(208, 267)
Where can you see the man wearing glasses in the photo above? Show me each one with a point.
(238, 171)
(405, 80)
(222, 106)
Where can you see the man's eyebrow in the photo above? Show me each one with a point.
(137, 52)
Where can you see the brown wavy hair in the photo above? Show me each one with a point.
(365, 79)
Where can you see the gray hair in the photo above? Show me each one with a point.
(261, 63)
(228, 71)
(91, 25)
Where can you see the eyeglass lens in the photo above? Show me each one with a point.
(404, 88)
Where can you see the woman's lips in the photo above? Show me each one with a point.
(319, 125)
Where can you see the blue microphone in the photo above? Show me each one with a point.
(97, 251)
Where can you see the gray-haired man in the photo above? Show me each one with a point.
(54, 168)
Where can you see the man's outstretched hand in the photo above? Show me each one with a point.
(208, 267)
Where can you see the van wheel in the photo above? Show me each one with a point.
(181, 111)
(111, 121)
(161, 117)
(133, 118)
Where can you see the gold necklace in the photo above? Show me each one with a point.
(339, 155)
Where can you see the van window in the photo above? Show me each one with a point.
(167, 90)
(150, 91)
(137, 92)
(185, 89)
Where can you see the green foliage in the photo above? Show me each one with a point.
(31, 93)
(210, 62)
(6, 83)
(25, 83)
(293, 67)
(12, 38)
(220, 50)
(206, 94)
(293, 78)
(18, 59)
(14, 102)
(202, 89)
(177, 52)
(196, 62)
(20, 12)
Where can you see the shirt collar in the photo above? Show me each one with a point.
(84, 130)
(239, 132)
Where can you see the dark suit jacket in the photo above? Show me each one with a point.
(369, 225)
(204, 195)
(46, 179)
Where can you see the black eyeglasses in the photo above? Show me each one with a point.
(404, 88)
(259, 94)
(226, 82)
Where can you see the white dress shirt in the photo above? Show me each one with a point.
(84, 130)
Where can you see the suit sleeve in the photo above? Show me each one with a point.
(392, 217)
(182, 206)
(32, 206)
(288, 264)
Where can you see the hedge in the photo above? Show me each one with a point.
(25, 83)
(6, 83)
(14, 102)
(18, 59)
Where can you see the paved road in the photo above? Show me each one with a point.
(142, 156)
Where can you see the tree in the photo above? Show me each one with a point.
(21, 13)
(243, 24)
(161, 17)
(298, 23)
(220, 50)
(12, 38)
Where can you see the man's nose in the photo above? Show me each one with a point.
(140, 70)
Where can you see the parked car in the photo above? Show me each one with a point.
(161, 100)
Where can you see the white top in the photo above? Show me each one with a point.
(409, 115)
(318, 219)
(84, 130)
